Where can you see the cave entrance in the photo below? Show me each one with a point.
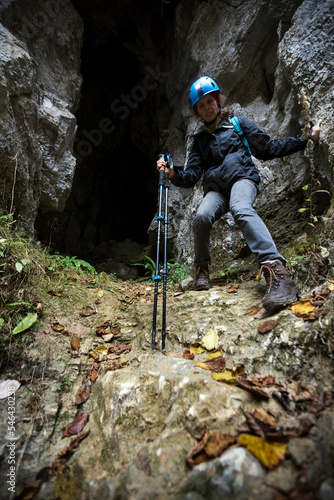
(114, 193)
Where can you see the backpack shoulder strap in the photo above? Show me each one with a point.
(235, 122)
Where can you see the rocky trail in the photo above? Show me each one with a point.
(239, 406)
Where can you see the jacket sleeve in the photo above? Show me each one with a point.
(265, 148)
(194, 169)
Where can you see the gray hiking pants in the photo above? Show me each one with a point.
(254, 230)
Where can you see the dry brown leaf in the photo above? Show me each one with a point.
(114, 365)
(248, 386)
(75, 342)
(120, 348)
(83, 392)
(217, 443)
(94, 355)
(58, 294)
(252, 312)
(197, 454)
(94, 372)
(214, 365)
(187, 354)
(303, 393)
(267, 326)
(103, 329)
(76, 425)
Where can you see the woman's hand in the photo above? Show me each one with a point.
(315, 131)
(162, 164)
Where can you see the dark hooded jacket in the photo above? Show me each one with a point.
(222, 158)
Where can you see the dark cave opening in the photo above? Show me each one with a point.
(114, 191)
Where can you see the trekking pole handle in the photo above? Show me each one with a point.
(168, 159)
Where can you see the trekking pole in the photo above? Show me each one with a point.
(157, 277)
(163, 186)
(165, 270)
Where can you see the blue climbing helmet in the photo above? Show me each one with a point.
(202, 86)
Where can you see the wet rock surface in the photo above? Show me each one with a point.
(148, 410)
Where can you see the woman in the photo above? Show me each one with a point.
(231, 183)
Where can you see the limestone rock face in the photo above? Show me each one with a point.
(39, 87)
(262, 55)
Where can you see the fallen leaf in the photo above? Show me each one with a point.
(57, 327)
(303, 393)
(215, 364)
(269, 454)
(83, 392)
(228, 375)
(26, 323)
(215, 354)
(197, 454)
(267, 326)
(233, 289)
(187, 354)
(58, 294)
(103, 329)
(248, 386)
(114, 365)
(75, 342)
(282, 397)
(102, 349)
(29, 489)
(196, 348)
(210, 340)
(217, 443)
(94, 372)
(252, 312)
(76, 425)
(59, 464)
(302, 308)
(87, 311)
(120, 348)
(94, 355)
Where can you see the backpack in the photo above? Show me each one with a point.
(235, 122)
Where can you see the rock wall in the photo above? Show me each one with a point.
(39, 89)
(262, 54)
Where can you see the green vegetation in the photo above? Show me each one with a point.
(176, 271)
(23, 263)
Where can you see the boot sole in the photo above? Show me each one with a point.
(271, 306)
(204, 287)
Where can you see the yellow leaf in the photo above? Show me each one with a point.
(269, 454)
(195, 348)
(210, 340)
(100, 294)
(302, 307)
(215, 354)
(102, 349)
(229, 376)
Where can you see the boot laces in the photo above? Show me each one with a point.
(200, 271)
(271, 275)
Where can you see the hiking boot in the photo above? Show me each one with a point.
(281, 290)
(202, 278)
